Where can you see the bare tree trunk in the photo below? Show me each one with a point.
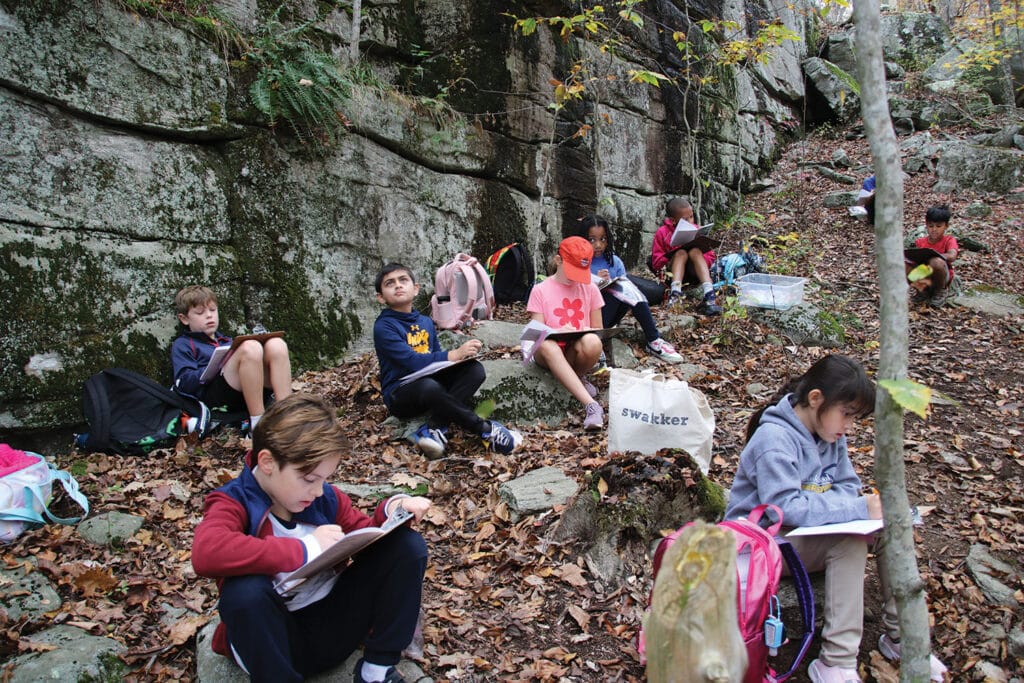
(692, 633)
(353, 45)
(901, 568)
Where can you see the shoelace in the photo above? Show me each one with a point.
(437, 435)
(501, 437)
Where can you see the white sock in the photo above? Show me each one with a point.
(707, 287)
(677, 286)
(253, 421)
(373, 672)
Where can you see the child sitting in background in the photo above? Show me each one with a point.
(569, 300)
(935, 288)
(683, 264)
(250, 368)
(607, 266)
(281, 513)
(406, 341)
(796, 458)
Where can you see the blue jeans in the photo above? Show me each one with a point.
(375, 602)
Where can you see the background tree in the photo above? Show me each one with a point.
(901, 566)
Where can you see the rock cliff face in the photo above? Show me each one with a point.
(133, 163)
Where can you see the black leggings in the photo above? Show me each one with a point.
(614, 310)
(445, 396)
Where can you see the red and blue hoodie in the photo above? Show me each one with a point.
(236, 537)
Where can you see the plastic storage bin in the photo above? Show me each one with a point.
(762, 290)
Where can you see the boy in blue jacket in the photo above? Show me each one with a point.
(281, 513)
(250, 369)
(406, 342)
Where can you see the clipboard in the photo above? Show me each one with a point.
(536, 332)
(920, 255)
(222, 353)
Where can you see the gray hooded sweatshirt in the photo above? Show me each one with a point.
(812, 481)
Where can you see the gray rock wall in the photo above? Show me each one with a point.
(132, 163)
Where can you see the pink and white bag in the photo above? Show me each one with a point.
(26, 487)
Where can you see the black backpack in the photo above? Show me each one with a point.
(512, 273)
(131, 414)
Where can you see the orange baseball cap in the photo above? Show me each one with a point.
(576, 254)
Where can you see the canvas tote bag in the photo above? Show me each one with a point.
(649, 411)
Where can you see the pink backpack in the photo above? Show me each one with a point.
(759, 555)
(462, 294)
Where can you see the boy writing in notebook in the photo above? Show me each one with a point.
(281, 513)
(251, 368)
(406, 341)
(935, 288)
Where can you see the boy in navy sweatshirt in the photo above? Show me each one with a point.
(406, 342)
(250, 368)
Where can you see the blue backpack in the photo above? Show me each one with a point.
(727, 269)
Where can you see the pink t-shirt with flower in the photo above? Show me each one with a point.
(563, 305)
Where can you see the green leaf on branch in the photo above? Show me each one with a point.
(527, 26)
(909, 395)
(648, 77)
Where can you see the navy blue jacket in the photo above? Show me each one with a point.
(405, 343)
(190, 354)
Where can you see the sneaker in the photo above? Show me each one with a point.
(823, 673)
(602, 362)
(708, 306)
(890, 649)
(431, 440)
(392, 675)
(919, 296)
(675, 296)
(665, 351)
(594, 419)
(588, 385)
(938, 299)
(501, 439)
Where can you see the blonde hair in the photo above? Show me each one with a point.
(300, 430)
(190, 297)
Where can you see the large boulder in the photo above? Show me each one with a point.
(837, 89)
(988, 169)
(140, 166)
(139, 71)
(214, 668)
(75, 656)
(914, 39)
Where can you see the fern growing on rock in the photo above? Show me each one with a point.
(297, 82)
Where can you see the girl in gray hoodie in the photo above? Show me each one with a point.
(796, 458)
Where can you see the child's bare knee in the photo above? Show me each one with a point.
(275, 348)
(250, 350)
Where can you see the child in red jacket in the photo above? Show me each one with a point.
(281, 513)
(683, 263)
(936, 287)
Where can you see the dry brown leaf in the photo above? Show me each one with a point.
(580, 616)
(172, 513)
(183, 629)
(25, 645)
(95, 581)
(572, 575)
